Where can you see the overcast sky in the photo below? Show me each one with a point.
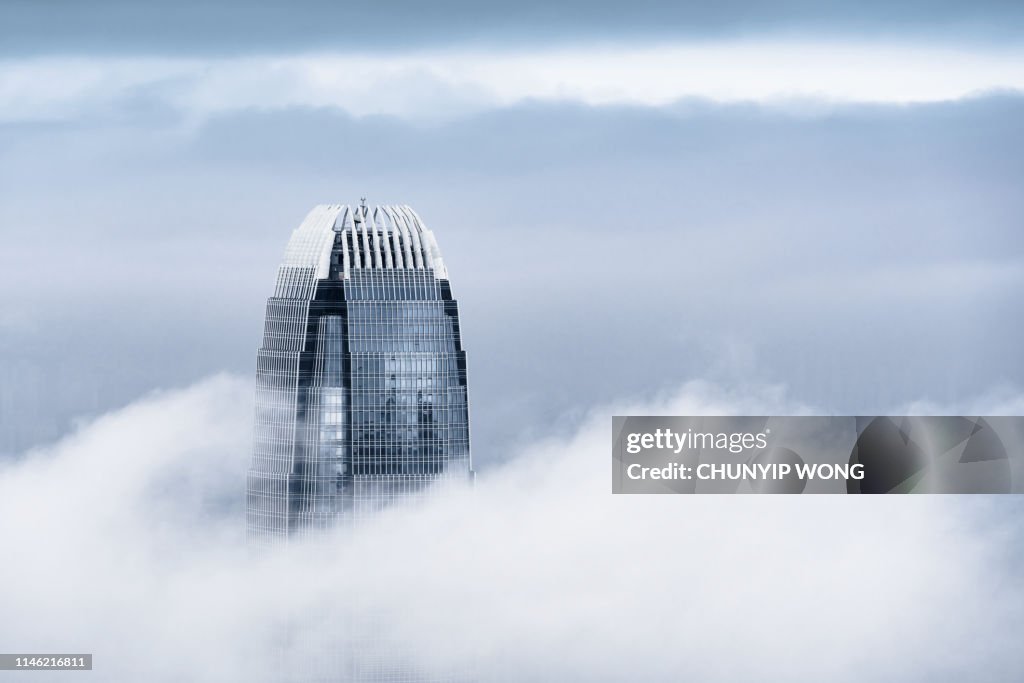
(235, 26)
(823, 196)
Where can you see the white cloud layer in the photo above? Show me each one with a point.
(125, 540)
(443, 83)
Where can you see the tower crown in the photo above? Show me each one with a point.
(334, 239)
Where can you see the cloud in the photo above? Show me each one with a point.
(445, 84)
(1004, 399)
(236, 27)
(128, 538)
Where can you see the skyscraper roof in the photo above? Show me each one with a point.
(381, 237)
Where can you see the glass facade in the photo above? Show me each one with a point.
(361, 379)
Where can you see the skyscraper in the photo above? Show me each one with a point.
(361, 379)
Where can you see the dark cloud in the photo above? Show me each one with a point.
(234, 26)
(544, 136)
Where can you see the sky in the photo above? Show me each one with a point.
(731, 207)
(865, 254)
(234, 26)
(818, 195)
